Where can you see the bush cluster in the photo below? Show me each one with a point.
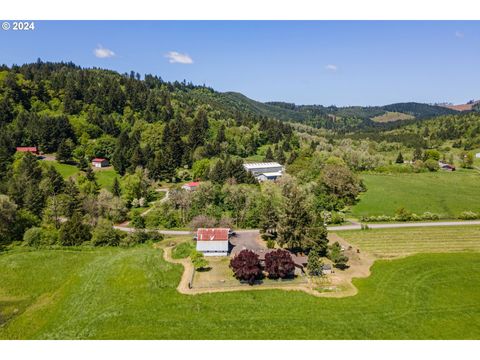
(469, 215)
(401, 216)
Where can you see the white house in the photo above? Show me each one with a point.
(265, 171)
(100, 162)
(213, 241)
(190, 186)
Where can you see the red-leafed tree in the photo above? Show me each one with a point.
(246, 266)
(279, 264)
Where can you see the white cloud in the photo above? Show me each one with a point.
(176, 57)
(459, 34)
(102, 53)
(331, 67)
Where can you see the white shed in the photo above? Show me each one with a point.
(213, 241)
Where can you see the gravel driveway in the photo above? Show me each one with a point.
(246, 239)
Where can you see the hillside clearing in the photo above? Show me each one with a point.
(105, 177)
(392, 116)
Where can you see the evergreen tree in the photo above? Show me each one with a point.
(417, 154)
(120, 159)
(268, 155)
(280, 156)
(315, 264)
(316, 239)
(74, 232)
(268, 220)
(83, 163)
(116, 189)
(399, 159)
(64, 151)
(72, 204)
(293, 219)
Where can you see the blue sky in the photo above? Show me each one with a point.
(306, 62)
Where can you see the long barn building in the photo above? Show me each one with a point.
(265, 170)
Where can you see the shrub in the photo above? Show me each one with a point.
(429, 216)
(140, 236)
(403, 214)
(50, 236)
(279, 264)
(337, 256)
(468, 215)
(431, 165)
(183, 250)
(337, 218)
(198, 260)
(270, 244)
(415, 217)
(105, 235)
(246, 266)
(138, 222)
(33, 237)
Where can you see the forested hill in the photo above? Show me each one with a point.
(158, 125)
(314, 114)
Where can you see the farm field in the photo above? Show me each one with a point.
(445, 193)
(114, 293)
(406, 241)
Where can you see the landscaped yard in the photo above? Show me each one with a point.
(114, 293)
(444, 193)
(405, 241)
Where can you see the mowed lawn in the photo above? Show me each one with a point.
(406, 241)
(444, 193)
(131, 294)
(104, 177)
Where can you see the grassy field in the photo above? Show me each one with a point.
(65, 170)
(444, 193)
(110, 293)
(104, 177)
(406, 241)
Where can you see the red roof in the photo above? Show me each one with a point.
(213, 234)
(193, 183)
(99, 160)
(27, 149)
